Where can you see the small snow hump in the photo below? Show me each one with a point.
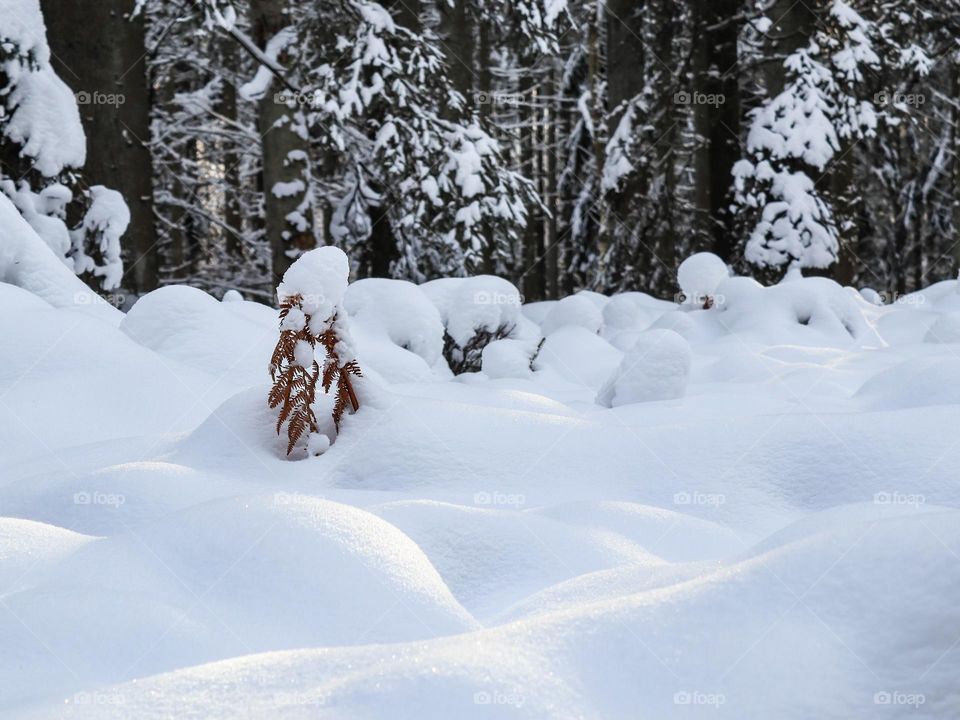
(657, 367)
(699, 276)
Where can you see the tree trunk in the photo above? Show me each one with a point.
(285, 157)
(716, 119)
(109, 79)
(626, 76)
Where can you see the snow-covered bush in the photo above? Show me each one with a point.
(311, 295)
(657, 367)
(699, 276)
(805, 311)
(475, 312)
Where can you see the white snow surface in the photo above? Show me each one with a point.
(765, 523)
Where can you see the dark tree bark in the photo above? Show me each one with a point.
(458, 40)
(285, 153)
(716, 118)
(104, 65)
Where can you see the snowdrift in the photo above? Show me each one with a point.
(628, 505)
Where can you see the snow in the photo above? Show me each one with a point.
(467, 305)
(320, 277)
(27, 262)
(657, 367)
(573, 311)
(396, 325)
(763, 522)
(106, 219)
(700, 275)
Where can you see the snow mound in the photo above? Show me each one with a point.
(668, 534)
(320, 277)
(26, 545)
(657, 367)
(27, 262)
(578, 356)
(573, 311)
(229, 577)
(856, 611)
(395, 327)
(699, 276)
(492, 556)
(946, 329)
(193, 328)
(507, 358)
(914, 383)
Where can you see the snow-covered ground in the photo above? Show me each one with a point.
(743, 511)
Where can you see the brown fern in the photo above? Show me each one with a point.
(294, 388)
(335, 373)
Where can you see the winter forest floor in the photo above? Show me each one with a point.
(763, 524)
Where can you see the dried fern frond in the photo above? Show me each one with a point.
(294, 388)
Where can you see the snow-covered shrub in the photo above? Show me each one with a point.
(311, 294)
(699, 276)
(578, 310)
(806, 311)
(657, 367)
(475, 312)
